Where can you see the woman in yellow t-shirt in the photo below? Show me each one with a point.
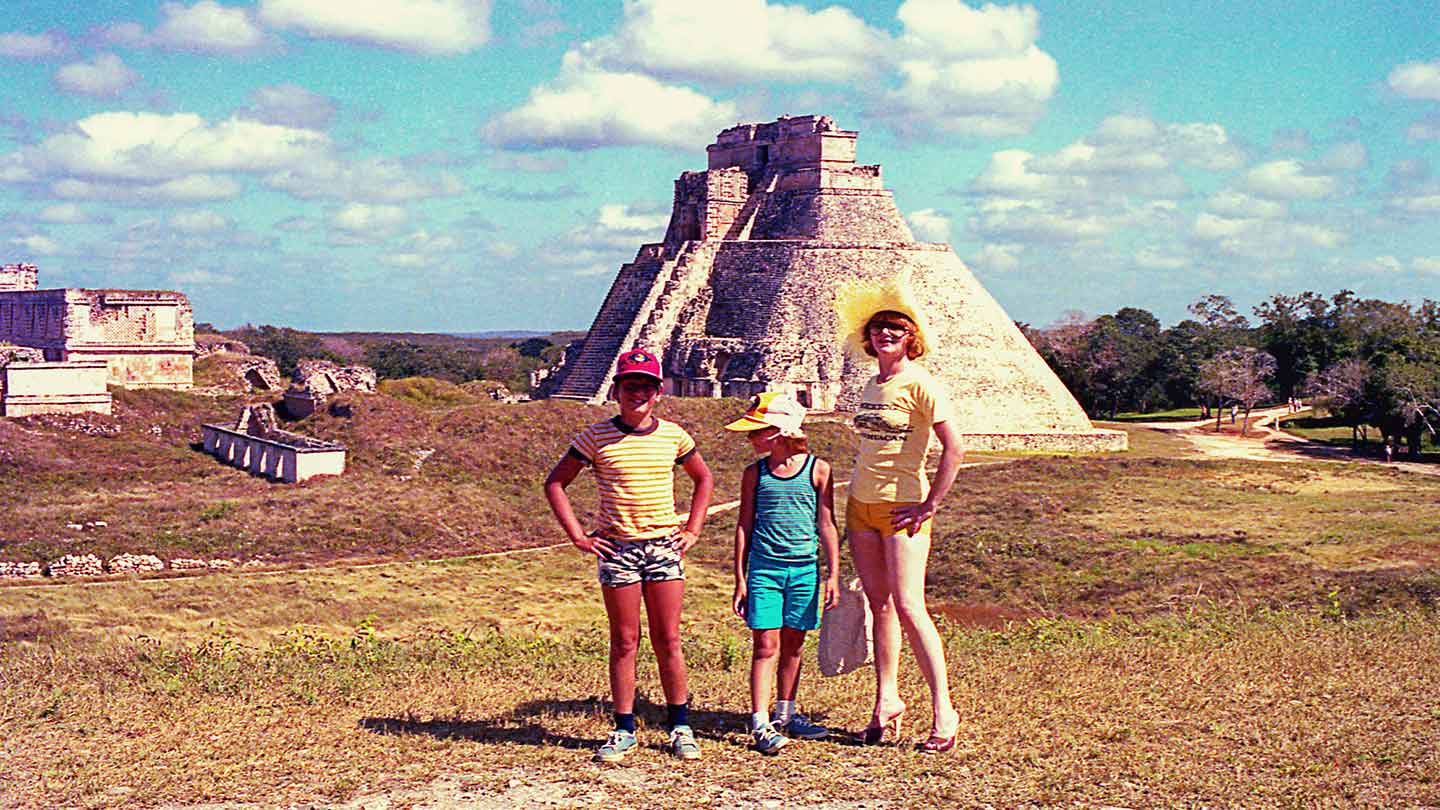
(888, 517)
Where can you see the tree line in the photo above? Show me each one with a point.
(1364, 361)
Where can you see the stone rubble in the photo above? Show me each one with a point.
(135, 564)
(77, 565)
(188, 564)
(21, 570)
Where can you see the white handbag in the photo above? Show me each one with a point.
(847, 633)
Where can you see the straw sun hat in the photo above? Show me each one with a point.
(857, 301)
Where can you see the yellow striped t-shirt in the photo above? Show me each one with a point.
(635, 473)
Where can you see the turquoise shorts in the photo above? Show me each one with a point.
(782, 595)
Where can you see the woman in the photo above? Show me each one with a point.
(888, 516)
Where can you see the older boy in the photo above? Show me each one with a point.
(640, 542)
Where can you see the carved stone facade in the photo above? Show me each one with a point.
(18, 277)
(145, 337)
(740, 297)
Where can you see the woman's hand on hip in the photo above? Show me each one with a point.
(911, 518)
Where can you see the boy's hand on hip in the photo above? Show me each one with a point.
(601, 547)
(738, 602)
(684, 540)
(832, 592)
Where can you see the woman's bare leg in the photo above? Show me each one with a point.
(871, 564)
(906, 557)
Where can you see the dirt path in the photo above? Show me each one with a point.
(1266, 442)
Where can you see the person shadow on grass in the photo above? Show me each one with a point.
(524, 726)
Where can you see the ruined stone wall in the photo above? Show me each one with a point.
(839, 215)
(18, 277)
(35, 319)
(706, 204)
(146, 337)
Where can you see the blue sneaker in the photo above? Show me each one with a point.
(616, 746)
(767, 740)
(682, 743)
(801, 727)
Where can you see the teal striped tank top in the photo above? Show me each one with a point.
(785, 515)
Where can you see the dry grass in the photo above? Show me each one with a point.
(1133, 630)
(461, 673)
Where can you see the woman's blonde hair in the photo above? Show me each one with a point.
(914, 348)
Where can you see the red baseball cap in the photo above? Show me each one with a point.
(638, 361)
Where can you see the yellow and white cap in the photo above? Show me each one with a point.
(772, 409)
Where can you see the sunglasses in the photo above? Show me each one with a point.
(893, 327)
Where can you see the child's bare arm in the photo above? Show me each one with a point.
(699, 472)
(559, 478)
(744, 525)
(829, 534)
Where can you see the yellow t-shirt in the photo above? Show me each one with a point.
(635, 473)
(894, 422)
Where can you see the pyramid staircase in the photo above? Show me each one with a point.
(643, 305)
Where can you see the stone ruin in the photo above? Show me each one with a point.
(18, 277)
(30, 386)
(739, 297)
(258, 445)
(146, 338)
(318, 380)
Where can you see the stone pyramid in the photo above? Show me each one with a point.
(740, 297)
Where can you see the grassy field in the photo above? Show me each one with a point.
(1142, 629)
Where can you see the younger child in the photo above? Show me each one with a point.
(640, 541)
(787, 508)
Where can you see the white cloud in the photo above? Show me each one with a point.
(1238, 205)
(198, 222)
(154, 147)
(363, 220)
(1418, 80)
(291, 105)
(1204, 146)
(105, 75)
(376, 179)
(929, 225)
(437, 27)
(1427, 264)
(997, 257)
(207, 27)
(17, 45)
(1014, 220)
(585, 109)
(1425, 129)
(1382, 265)
(1257, 238)
(745, 40)
(189, 278)
(1345, 157)
(190, 188)
(1421, 204)
(968, 71)
(522, 162)
(423, 248)
(1288, 180)
(1152, 259)
(37, 245)
(63, 214)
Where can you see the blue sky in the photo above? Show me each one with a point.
(461, 165)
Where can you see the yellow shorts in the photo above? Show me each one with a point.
(879, 517)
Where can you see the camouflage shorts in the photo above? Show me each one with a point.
(655, 560)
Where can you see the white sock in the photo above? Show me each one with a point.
(784, 710)
(759, 719)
